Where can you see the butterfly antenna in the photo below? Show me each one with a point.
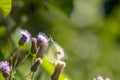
(50, 39)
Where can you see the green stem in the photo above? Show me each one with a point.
(16, 60)
(32, 77)
(27, 75)
(11, 62)
(11, 56)
(11, 74)
(7, 79)
(23, 60)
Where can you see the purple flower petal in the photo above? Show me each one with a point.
(4, 66)
(26, 34)
(42, 39)
(25, 37)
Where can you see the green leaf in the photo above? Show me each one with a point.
(2, 31)
(5, 7)
(1, 76)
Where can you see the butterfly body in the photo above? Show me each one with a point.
(54, 52)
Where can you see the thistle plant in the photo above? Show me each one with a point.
(38, 49)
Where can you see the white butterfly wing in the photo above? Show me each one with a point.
(60, 52)
(54, 52)
(51, 55)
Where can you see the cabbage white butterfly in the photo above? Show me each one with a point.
(54, 52)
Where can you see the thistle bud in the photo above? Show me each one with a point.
(58, 68)
(34, 46)
(35, 65)
(24, 38)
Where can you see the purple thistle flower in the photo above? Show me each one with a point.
(101, 78)
(5, 68)
(42, 39)
(107, 79)
(42, 42)
(25, 37)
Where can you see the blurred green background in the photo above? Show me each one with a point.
(88, 31)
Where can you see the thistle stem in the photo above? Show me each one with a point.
(11, 56)
(23, 60)
(11, 74)
(27, 75)
(16, 60)
(11, 62)
(32, 76)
